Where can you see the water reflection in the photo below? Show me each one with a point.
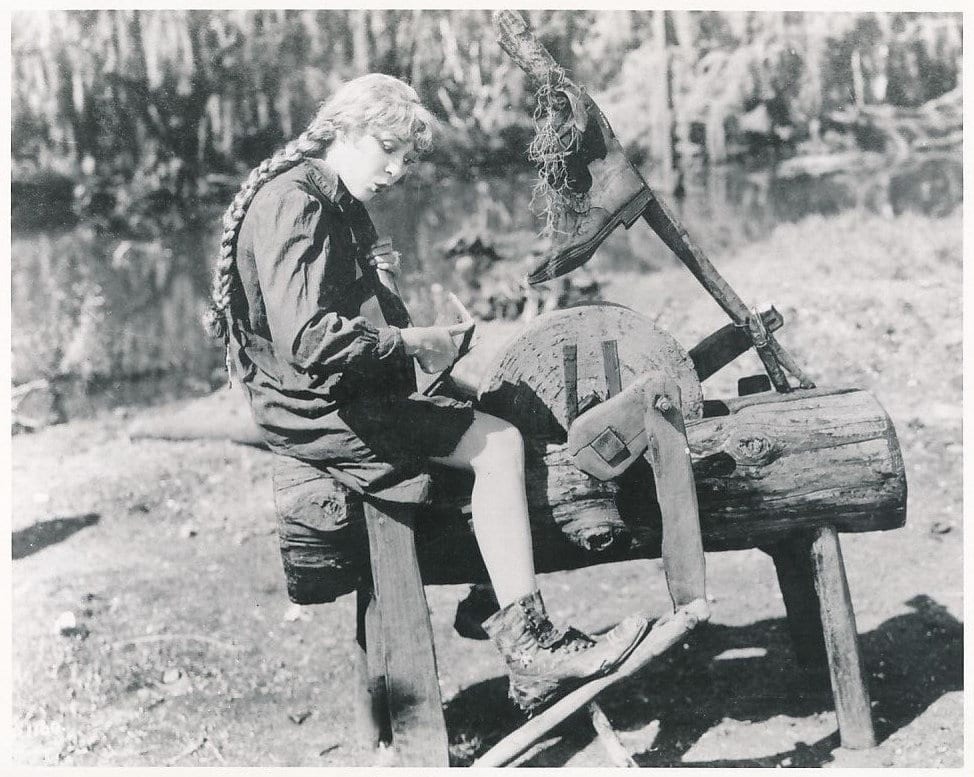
(95, 313)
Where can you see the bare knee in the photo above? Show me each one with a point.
(503, 450)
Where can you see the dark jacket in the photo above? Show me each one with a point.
(300, 343)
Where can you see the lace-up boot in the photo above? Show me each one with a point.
(545, 662)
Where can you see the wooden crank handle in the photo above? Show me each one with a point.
(668, 454)
(516, 38)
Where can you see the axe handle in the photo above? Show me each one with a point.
(516, 38)
(662, 221)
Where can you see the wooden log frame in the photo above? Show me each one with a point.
(772, 465)
(769, 466)
(850, 476)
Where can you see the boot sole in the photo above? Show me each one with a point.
(571, 260)
(534, 703)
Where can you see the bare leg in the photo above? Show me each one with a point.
(494, 451)
(543, 662)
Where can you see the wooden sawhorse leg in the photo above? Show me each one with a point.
(372, 706)
(398, 615)
(822, 622)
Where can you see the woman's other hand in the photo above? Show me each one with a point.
(434, 346)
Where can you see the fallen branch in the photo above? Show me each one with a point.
(216, 752)
(25, 388)
(618, 754)
(172, 637)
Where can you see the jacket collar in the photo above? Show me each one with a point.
(330, 185)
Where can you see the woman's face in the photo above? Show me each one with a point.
(369, 164)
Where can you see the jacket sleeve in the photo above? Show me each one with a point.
(291, 249)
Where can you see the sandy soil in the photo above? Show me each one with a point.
(151, 626)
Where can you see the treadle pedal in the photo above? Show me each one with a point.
(666, 632)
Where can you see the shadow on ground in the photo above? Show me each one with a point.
(911, 660)
(25, 542)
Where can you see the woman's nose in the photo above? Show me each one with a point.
(396, 166)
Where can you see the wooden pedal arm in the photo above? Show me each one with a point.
(647, 420)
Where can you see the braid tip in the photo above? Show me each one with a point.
(227, 363)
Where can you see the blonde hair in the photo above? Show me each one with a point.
(372, 103)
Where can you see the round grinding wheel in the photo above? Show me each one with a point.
(526, 382)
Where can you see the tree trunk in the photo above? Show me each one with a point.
(360, 41)
(662, 102)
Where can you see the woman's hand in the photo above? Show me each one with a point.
(434, 346)
(383, 257)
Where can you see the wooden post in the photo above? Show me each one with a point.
(412, 685)
(842, 642)
(371, 708)
(793, 564)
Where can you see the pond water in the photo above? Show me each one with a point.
(112, 322)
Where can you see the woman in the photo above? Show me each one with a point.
(298, 263)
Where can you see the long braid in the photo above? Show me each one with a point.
(308, 144)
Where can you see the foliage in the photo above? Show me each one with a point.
(799, 66)
(150, 111)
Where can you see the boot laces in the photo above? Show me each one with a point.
(542, 628)
(574, 641)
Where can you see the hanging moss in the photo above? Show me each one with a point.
(557, 135)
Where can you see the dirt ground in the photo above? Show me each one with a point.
(151, 626)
